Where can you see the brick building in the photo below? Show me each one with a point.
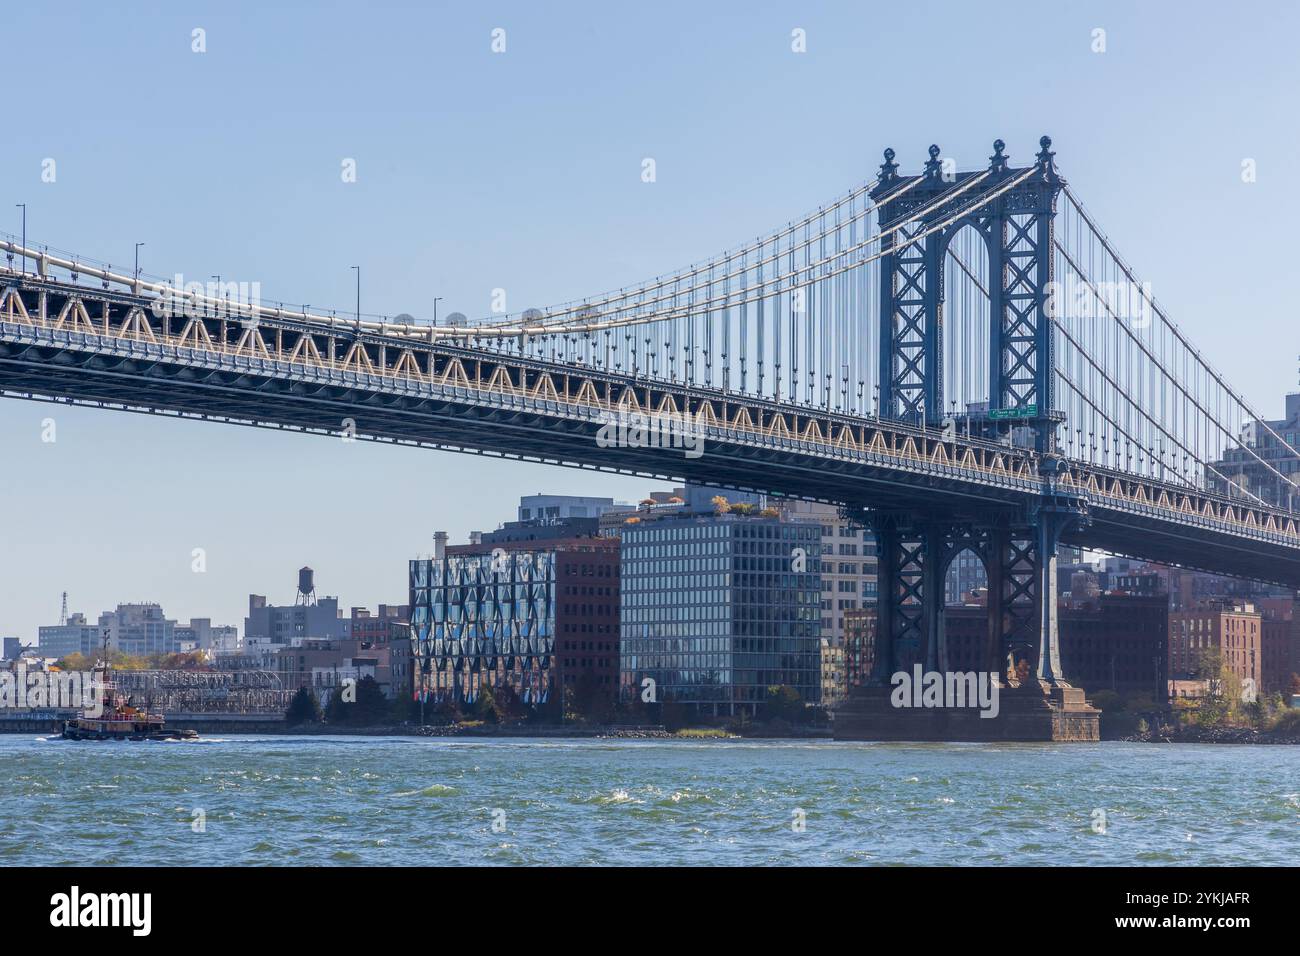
(1230, 626)
(1279, 640)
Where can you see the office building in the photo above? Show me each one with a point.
(1261, 466)
(202, 635)
(140, 630)
(714, 611)
(76, 636)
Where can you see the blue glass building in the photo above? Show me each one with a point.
(717, 608)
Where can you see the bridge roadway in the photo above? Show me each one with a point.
(65, 341)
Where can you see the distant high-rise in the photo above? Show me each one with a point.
(136, 629)
(1242, 474)
(269, 625)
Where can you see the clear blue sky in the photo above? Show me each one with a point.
(521, 170)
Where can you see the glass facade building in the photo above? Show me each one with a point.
(484, 618)
(717, 608)
(538, 618)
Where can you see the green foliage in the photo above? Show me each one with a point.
(445, 711)
(370, 706)
(739, 722)
(1288, 723)
(673, 715)
(509, 705)
(303, 708)
(1108, 700)
(119, 660)
(783, 703)
(187, 661)
(485, 706)
(1141, 703)
(404, 708)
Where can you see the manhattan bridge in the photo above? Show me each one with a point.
(960, 359)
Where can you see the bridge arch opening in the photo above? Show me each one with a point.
(966, 317)
(965, 627)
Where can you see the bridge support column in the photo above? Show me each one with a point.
(913, 556)
(1013, 599)
(933, 594)
(902, 605)
(1054, 516)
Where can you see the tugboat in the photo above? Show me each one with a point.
(118, 719)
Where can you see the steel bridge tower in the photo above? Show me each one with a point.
(916, 546)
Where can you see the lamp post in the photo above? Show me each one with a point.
(436, 300)
(23, 207)
(358, 268)
(137, 265)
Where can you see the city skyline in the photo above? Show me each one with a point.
(546, 210)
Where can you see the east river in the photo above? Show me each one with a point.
(407, 801)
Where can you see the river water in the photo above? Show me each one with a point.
(388, 800)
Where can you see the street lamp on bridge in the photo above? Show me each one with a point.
(23, 207)
(358, 268)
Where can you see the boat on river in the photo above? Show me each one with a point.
(118, 717)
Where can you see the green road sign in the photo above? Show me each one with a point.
(1025, 411)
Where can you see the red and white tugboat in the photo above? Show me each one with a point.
(118, 719)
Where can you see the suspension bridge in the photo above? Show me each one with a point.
(959, 358)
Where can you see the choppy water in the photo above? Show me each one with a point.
(348, 800)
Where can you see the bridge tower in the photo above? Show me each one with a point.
(915, 547)
(1016, 227)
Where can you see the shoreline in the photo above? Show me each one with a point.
(1245, 736)
(1237, 736)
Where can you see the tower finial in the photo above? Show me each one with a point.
(998, 161)
(932, 165)
(1045, 157)
(889, 168)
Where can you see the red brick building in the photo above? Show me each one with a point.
(373, 630)
(1279, 645)
(587, 614)
(1231, 627)
(1118, 643)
